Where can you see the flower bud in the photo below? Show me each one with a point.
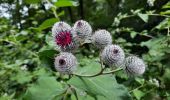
(102, 38)
(83, 29)
(59, 27)
(113, 56)
(65, 63)
(64, 37)
(134, 66)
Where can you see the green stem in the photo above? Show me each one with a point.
(54, 8)
(100, 73)
(147, 14)
(168, 34)
(74, 91)
(137, 88)
(113, 71)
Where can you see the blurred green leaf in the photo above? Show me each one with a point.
(138, 94)
(144, 17)
(98, 87)
(32, 1)
(50, 41)
(166, 6)
(133, 34)
(22, 77)
(48, 23)
(140, 80)
(46, 88)
(164, 24)
(165, 12)
(47, 57)
(65, 3)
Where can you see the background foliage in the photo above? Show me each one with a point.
(27, 54)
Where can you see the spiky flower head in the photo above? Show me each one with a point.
(102, 38)
(60, 26)
(83, 29)
(134, 66)
(113, 55)
(65, 63)
(64, 37)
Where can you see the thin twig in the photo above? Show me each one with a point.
(146, 14)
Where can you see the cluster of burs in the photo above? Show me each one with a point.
(68, 39)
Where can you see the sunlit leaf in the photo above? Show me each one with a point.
(48, 23)
(65, 3)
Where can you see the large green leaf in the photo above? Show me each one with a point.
(102, 87)
(65, 3)
(81, 95)
(47, 88)
(88, 66)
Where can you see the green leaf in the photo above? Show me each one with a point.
(102, 87)
(144, 17)
(50, 41)
(81, 95)
(22, 77)
(32, 1)
(157, 48)
(165, 12)
(166, 6)
(48, 23)
(47, 58)
(164, 24)
(46, 88)
(88, 66)
(65, 3)
(138, 94)
(133, 34)
(47, 54)
(140, 80)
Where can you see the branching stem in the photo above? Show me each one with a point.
(101, 71)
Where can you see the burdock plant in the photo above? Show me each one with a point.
(68, 39)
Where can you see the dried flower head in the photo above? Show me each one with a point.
(134, 66)
(83, 29)
(113, 55)
(102, 38)
(64, 37)
(65, 63)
